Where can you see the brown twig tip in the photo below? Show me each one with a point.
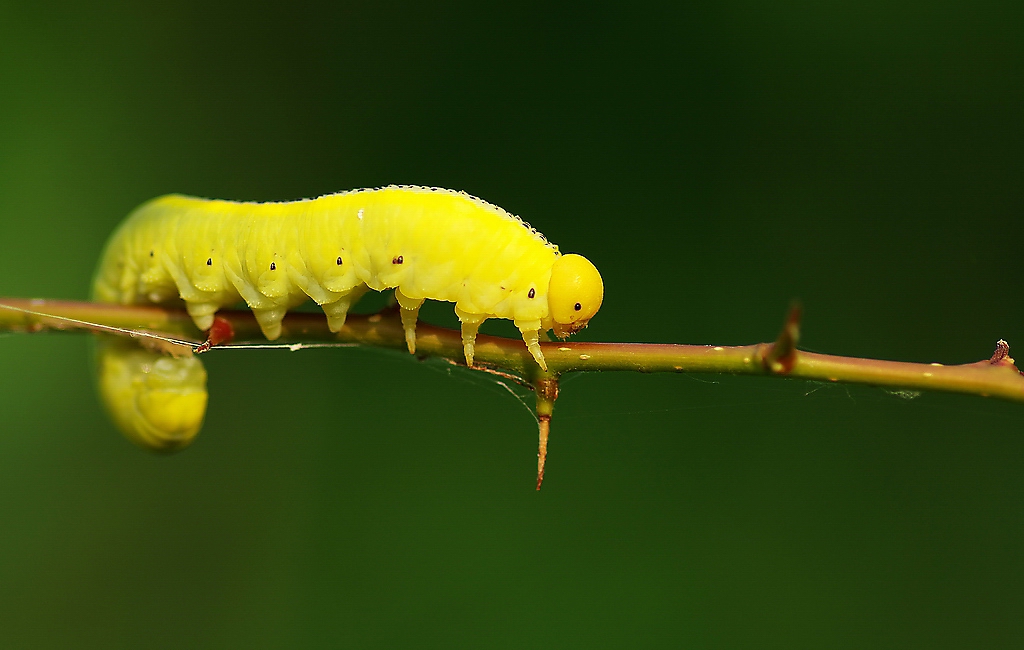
(781, 356)
(1002, 353)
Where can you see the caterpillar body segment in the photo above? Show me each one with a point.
(157, 401)
(426, 243)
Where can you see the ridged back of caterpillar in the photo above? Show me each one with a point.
(434, 244)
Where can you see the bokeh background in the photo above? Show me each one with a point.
(714, 161)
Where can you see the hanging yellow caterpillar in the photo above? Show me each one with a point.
(426, 243)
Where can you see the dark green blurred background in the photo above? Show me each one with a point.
(713, 162)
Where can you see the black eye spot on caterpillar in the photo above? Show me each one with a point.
(164, 409)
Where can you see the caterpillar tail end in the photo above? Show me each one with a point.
(157, 401)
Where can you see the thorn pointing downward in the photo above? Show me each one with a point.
(542, 449)
(547, 393)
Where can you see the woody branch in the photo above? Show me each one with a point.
(993, 377)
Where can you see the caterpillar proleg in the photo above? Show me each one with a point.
(425, 243)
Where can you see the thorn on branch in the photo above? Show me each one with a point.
(1002, 351)
(547, 393)
(1001, 356)
(781, 356)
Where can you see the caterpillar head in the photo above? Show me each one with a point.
(574, 294)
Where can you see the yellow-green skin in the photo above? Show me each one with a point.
(426, 243)
(157, 401)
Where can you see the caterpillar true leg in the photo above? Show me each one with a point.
(470, 326)
(410, 312)
(531, 336)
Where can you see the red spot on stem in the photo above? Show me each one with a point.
(220, 332)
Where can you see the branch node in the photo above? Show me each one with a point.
(781, 355)
(1002, 352)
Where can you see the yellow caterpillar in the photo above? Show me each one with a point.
(426, 243)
